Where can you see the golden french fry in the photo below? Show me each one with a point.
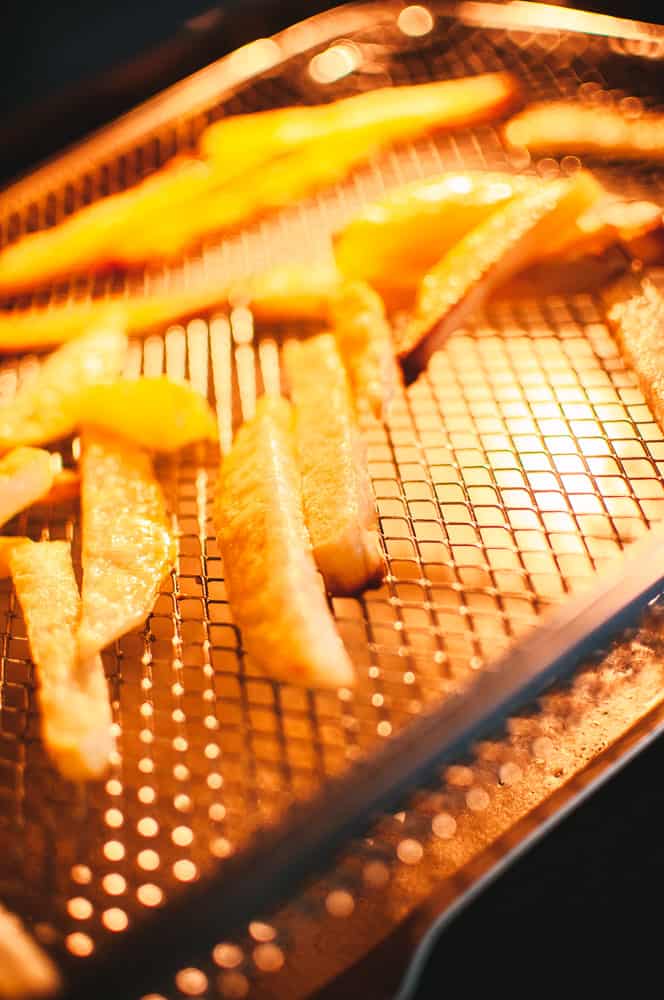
(44, 410)
(396, 113)
(572, 128)
(364, 339)
(155, 413)
(505, 243)
(191, 199)
(73, 693)
(635, 311)
(392, 243)
(292, 292)
(275, 593)
(339, 506)
(127, 547)
(26, 475)
(96, 236)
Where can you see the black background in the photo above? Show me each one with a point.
(585, 904)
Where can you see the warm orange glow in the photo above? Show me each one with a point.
(114, 850)
(262, 932)
(148, 860)
(227, 955)
(114, 884)
(255, 57)
(334, 63)
(115, 919)
(146, 794)
(185, 870)
(415, 21)
(81, 874)
(191, 982)
(268, 957)
(182, 836)
(79, 908)
(339, 903)
(410, 851)
(79, 944)
(114, 818)
(147, 827)
(149, 895)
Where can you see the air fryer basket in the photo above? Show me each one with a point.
(514, 469)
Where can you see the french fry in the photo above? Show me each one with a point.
(393, 242)
(155, 413)
(127, 547)
(395, 113)
(95, 237)
(505, 243)
(73, 693)
(364, 339)
(572, 128)
(635, 311)
(339, 506)
(26, 475)
(292, 292)
(43, 410)
(275, 593)
(256, 163)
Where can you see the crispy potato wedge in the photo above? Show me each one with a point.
(505, 243)
(275, 592)
(127, 546)
(155, 413)
(73, 693)
(572, 128)
(339, 505)
(364, 339)
(392, 243)
(43, 409)
(26, 475)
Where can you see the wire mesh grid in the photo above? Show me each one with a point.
(519, 464)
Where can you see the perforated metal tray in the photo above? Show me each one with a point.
(515, 468)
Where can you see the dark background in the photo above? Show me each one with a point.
(586, 902)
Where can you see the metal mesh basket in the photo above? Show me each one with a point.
(519, 464)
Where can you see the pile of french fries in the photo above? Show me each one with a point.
(295, 514)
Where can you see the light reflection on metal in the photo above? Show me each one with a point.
(415, 21)
(334, 63)
(255, 57)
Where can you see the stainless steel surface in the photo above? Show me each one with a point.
(518, 465)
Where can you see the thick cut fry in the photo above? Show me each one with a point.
(26, 475)
(288, 292)
(156, 413)
(571, 128)
(7, 544)
(395, 113)
(275, 593)
(127, 546)
(487, 256)
(339, 506)
(73, 693)
(365, 342)
(42, 410)
(338, 139)
(96, 236)
(392, 243)
(257, 162)
(636, 314)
